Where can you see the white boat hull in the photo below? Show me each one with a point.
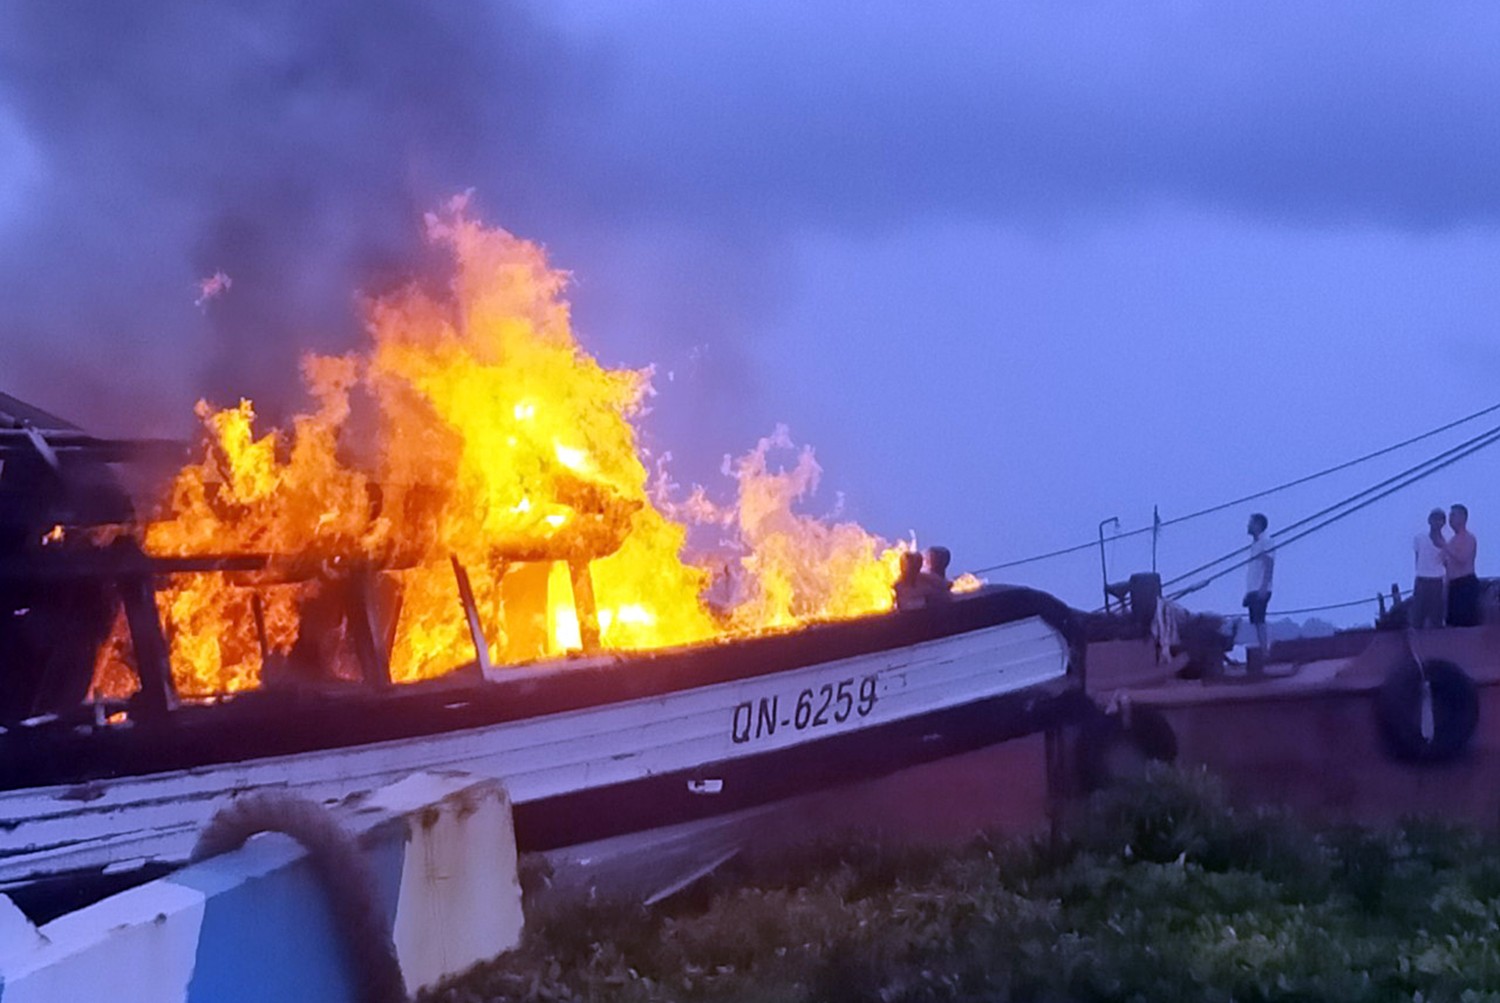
(603, 759)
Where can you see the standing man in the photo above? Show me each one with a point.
(1463, 583)
(1427, 593)
(1258, 572)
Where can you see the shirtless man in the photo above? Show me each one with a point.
(1458, 559)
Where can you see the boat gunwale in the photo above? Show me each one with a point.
(273, 723)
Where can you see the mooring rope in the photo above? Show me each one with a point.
(341, 870)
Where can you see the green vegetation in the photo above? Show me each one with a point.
(1164, 893)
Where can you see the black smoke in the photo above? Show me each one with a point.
(292, 146)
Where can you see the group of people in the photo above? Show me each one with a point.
(1447, 589)
(924, 578)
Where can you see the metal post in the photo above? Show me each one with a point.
(471, 614)
(1155, 534)
(1103, 564)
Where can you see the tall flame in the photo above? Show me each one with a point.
(499, 442)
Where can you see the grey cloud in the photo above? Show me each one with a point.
(868, 116)
(294, 146)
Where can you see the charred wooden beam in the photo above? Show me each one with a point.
(117, 562)
(392, 596)
(365, 626)
(258, 615)
(584, 605)
(153, 664)
(210, 563)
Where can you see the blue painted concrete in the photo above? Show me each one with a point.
(241, 956)
(256, 924)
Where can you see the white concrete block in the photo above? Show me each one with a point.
(460, 898)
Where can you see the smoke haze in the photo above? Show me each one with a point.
(291, 147)
(1011, 268)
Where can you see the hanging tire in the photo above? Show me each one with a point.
(1410, 734)
(1118, 746)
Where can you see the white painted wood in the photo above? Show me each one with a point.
(134, 819)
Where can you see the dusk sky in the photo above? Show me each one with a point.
(1010, 268)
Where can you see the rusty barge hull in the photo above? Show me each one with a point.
(1310, 736)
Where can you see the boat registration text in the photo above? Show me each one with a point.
(828, 704)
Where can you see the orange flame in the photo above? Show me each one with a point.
(499, 441)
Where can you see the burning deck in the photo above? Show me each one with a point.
(469, 486)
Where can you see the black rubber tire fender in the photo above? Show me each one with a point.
(1111, 750)
(1455, 711)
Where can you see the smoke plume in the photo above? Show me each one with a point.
(291, 148)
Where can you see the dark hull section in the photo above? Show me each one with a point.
(869, 753)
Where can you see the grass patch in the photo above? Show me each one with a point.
(1165, 892)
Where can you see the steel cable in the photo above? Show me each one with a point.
(1383, 489)
(1221, 506)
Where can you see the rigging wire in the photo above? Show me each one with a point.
(1411, 476)
(1349, 500)
(1326, 606)
(1221, 506)
(1350, 604)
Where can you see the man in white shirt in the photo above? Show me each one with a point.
(1258, 571)
(1427, 593)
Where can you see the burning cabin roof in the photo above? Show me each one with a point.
(500, 447)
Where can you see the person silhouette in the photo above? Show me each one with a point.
(1258, 573)
(939, 587)
(911, 587)
(1458, 560)
(1427, 592)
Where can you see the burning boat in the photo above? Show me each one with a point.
(492, 588)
